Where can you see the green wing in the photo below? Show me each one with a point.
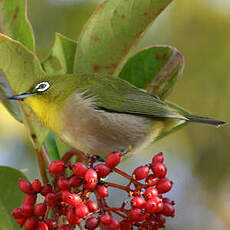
(116, 95)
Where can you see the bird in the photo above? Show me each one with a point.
(99, 114)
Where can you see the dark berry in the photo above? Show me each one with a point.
(168, 210)
(136, 215)
(50, 199)
(91, 223)
(47, 188)
(17, 213)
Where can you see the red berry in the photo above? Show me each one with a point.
(36, 185)
(82, 211)
(105, 219)
(90, 186)
(91, 176)
(75, 181)
(92, 206)
(114, 224)
(71, 198)
(27, 209)
(42, 226)
(158, 158)
(47, 188)
(150, 193)
(40, 209)
(138, 202)
(141, 172)
(64, 227)
(136, 215)
(63, 183)
(113, 159)
(56, 167)
(151, 180)
(167, 200)
(79, 169)
(71, 216)
(161, 220)
(102, 170)
(125, 225)
(154, 205)
(21, 221)
(91, 223)
(51, 224)
(30, 223)
(17, 213)
(168, 210)
(30, 199)
(159, 169)
(164, 185)
(50, 199)
(102, 191)
(25, 186)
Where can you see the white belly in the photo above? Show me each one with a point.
(100, 132)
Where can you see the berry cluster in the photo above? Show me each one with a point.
(68, 202)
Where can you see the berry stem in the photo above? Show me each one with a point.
(80, 226)
(127, 189)
(122, 173)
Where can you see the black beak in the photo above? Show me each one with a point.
(20, 97)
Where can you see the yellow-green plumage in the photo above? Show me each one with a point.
(100, 114)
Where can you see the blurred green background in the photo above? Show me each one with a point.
(197, 156)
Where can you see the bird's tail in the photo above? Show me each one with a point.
(205, 120)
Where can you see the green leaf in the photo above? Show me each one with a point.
(15, 23)
(12, 106)
(51, 147)
(20, 67)
(10, 196)
(61, 57)
(156, 69)
(114, 28)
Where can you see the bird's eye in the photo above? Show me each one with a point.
(43, 86)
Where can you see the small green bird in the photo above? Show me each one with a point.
(99, 114)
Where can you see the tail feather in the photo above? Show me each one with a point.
(205, 120)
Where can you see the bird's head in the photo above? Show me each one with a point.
(48, 94)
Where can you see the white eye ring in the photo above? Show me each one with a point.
(42, 86)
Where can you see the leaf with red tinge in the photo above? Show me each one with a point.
(155, 68)
(113, 30)
(15, 23)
